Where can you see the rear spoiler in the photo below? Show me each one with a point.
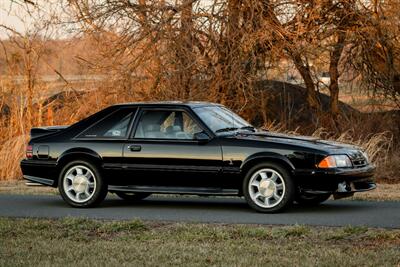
(42, 131)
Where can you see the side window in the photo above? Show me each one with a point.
(115, 125)
(166, 124)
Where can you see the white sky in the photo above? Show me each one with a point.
(14, 14)
(11, 16)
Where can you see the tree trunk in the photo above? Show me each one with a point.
(305, 72)
(186, 54)
(334, 74)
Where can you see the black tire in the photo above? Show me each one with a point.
(311, 200)
(132, 196)
(97, 194)
(287, 195)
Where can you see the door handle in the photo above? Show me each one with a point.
(134, 148)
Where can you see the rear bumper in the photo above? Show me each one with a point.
(42, 172)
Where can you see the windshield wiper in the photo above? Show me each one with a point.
(227, 129)
(250, 128)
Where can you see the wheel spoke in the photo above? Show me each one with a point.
(276, 196)
(255, 183)
(77, 196)
(70, 177)
(70, 188)
(267, 201)
(258, 194)
(279, 186)
(87, 193)
(88, 175)
(79, 171)
(274, 177)
(263, 175)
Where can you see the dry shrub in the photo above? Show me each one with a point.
(11, 152)
(378, 146)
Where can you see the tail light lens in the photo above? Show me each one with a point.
(29, 152)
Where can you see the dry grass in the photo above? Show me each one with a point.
(19, 187)
(376, 145)
(383, 192)
(11, 153)
(82, 242)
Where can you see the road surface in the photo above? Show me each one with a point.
(207, 210)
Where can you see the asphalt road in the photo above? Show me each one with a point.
(207, 210)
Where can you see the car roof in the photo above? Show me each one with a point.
(191, 104)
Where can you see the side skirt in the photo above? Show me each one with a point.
(174, 190)
(39, 180)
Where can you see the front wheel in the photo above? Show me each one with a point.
(268, 188)
(81, 185)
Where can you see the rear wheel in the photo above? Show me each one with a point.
(81, 185)
(268, 188)
(311, 200)
(132, 196)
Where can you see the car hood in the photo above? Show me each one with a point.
(302, 141)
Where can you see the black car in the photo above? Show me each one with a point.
(136, 149)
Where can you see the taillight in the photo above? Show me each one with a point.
(29, 152)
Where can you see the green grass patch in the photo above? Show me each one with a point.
(85, 242)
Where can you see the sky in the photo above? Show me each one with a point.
(13, 14)
(9, 13)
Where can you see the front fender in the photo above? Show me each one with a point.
(267, 156)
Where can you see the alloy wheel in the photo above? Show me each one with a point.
(266, 188)
(79, 183)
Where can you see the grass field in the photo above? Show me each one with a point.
(135, 243)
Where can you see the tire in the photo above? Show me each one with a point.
(132, 196)
(82, 189)
(311, 200)
(274, 183)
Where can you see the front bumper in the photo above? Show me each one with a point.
(345, 188)
(322, 181)
(342, 173)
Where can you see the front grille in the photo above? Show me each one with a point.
(359, 163)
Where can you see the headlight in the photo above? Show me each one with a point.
(335, 161)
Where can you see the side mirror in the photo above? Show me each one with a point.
(202, 137)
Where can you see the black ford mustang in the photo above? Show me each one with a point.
(198, 148)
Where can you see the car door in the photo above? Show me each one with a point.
(164, 152)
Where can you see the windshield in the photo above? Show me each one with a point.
(221, 119)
